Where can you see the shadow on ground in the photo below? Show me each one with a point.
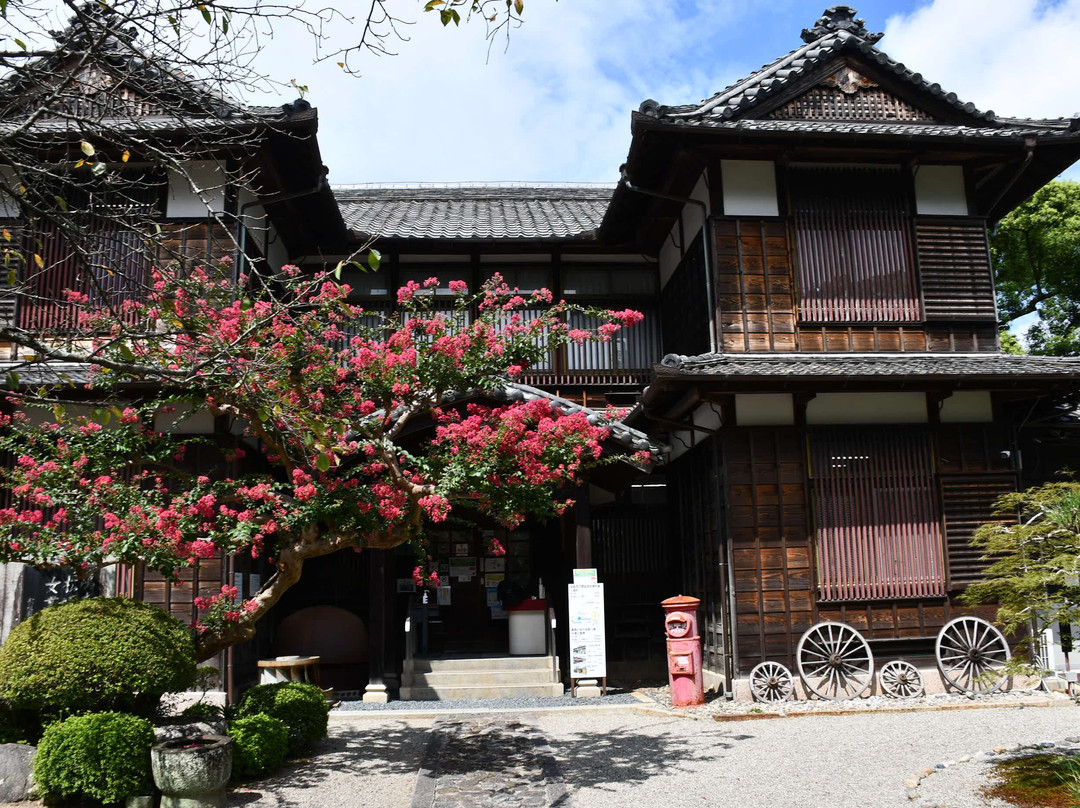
(360, 752)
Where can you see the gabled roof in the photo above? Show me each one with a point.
(836, 33)
(504, 211)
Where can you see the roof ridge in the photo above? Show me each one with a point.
(410, 186)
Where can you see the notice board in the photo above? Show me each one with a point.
(588, 649)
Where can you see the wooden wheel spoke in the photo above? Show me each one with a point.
(971, 655)
(834, 661)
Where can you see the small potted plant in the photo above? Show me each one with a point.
(192, 772)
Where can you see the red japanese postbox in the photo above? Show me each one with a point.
(683, 651)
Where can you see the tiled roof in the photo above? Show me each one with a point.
(929, 366)
(474, 211)
(891, 128)
(835, 33)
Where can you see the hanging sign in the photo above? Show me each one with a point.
(588, 650)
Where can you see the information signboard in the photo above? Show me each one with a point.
(588, 650)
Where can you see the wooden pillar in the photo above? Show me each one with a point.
(378, 616)
(583, 529)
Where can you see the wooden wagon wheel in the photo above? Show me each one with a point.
(834, 661)
(771, 681)
(971, 655)
(900, 680)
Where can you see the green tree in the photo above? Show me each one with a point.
(1036, 256)
(1035, 560)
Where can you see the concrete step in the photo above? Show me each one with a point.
(440, 693)
(477, 678)
(500, 663)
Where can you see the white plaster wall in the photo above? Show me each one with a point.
(749, 188)
(867, 408)
(669, 257)
(707, 416)
(939, 191)
(198, 191)
(767, 409)
(967, 407)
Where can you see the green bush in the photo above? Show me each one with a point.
(299, 705)
(95, 655)
(101, 756)
(260, 743)
(202, 709)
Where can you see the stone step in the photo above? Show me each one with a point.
(538, 689)
(507, 663)
(476, 678)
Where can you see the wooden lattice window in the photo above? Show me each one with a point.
(876, 514)
(853, 244)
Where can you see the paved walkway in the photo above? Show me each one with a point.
(621, 758)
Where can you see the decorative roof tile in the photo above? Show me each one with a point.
(475, 211)
(929, 366)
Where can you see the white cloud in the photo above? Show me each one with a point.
(1015, 57)
(556, 105)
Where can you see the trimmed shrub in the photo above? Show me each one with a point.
(95, 655)
(203, 709)
(100, 756)
(299, 705)
(260, 743)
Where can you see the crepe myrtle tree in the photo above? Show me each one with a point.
(354, 422)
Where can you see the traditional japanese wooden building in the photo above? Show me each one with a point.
(820, 358)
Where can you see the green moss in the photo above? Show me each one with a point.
(1038, 781)
(94, 655)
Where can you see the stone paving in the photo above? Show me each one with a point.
(488, 763)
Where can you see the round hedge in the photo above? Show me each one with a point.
(260, 744)
(299, 705)
(101, 756)
(95, 655)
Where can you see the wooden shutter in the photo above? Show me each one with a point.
(968, 501)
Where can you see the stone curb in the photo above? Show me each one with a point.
(349, 715)
(1069, 746)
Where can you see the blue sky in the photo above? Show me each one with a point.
(555, 105)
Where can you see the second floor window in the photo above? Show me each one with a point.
(853, 244)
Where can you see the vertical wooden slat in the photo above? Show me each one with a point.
(877, 524)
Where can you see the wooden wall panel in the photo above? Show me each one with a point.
(770, 543)
(756, 295)
(770, 529)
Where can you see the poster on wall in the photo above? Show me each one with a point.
(588, 649)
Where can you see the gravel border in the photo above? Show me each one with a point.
(953, 777)
(720, 709)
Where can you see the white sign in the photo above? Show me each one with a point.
(588, 650)
(585, 576)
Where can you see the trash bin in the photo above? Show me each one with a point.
(528, 634)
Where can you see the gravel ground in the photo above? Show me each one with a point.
(848, 761)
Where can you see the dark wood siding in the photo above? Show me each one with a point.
(756, 304)
(696, 489)
(685, 307)
(769, 532)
